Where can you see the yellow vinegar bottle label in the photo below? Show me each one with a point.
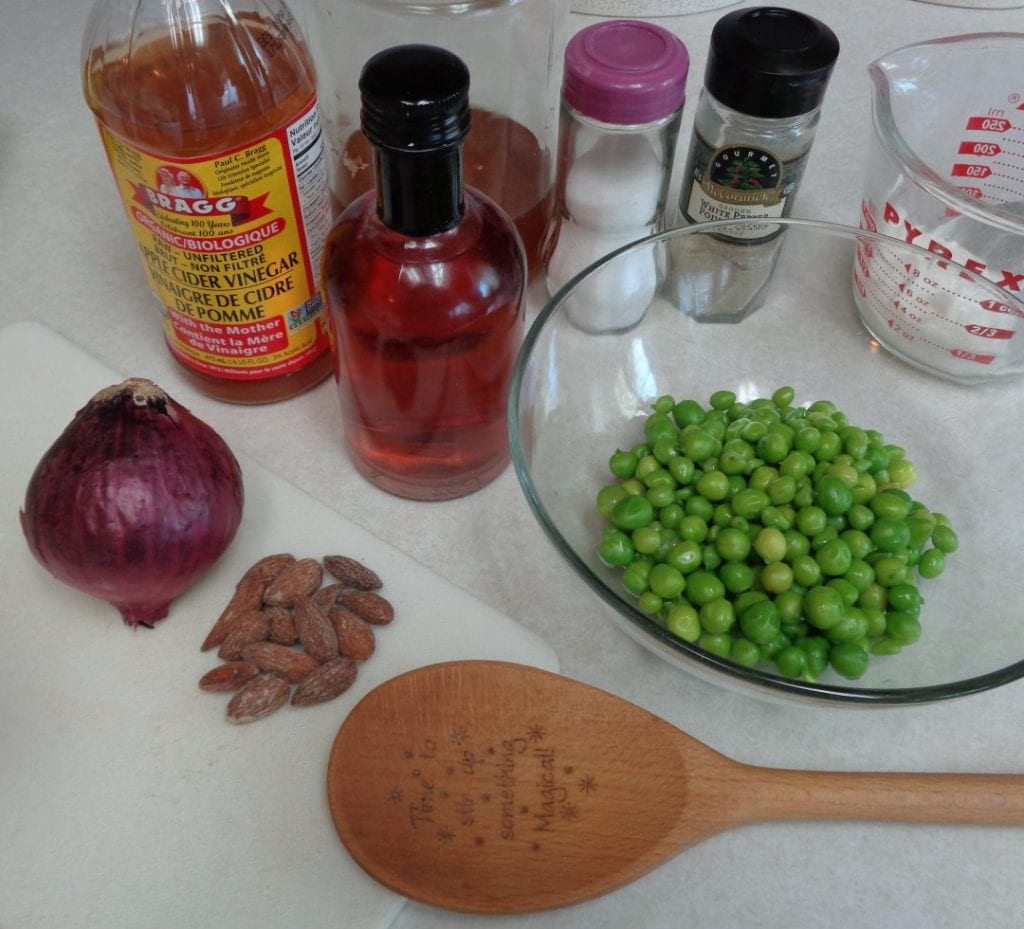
(231, 244)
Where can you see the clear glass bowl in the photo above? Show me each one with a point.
(751, 319)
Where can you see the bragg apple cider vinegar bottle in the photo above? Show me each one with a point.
(207, 110)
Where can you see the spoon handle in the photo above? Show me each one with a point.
(979, 799)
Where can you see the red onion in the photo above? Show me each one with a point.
(134, 501)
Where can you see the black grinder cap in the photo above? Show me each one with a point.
(770, 62)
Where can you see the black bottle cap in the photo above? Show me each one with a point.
(770, 62)
(415, 98)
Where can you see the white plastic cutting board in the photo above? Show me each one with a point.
(126, 800)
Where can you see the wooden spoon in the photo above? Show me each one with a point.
(490, 787)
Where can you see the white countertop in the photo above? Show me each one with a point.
(68, 260)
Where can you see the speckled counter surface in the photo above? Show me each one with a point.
(67, 259)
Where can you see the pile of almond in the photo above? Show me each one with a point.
(283, 628)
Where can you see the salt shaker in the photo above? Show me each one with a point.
(623, 90)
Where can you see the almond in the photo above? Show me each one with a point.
(282, 625)
(228, 676)
(268, 567)
(368, 605)
(327, 596)
(326, 682)
(356, 639)
(352, 573)
(290, 663)
(315, 632)
(259, 698)
(250, 627)
(247, 597)
(294, 582)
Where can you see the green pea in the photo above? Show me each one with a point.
(905, 628)
(860, 575)
(796, 544)
(699, 506)
(646, 540)
(834, 558)
(807, 439)
(632, 512)
(829, 447)
(732, 544)
(770, 544)
(682, 621)
(806, 571)
(663, 404)
(714, 485)
(886, 646)
(615, 548)
(791, 661)
(847, 591)
(697, 444)
(682, 469)
(659, 426)
(773, 447)
(811, 520)
(720, 644)
(863, 490)
(636, 574)
(650, 603)
(693, 528)
(665, 450)
(906, 598)
(688, 413)
(853, 627)
(753, 431)
(816, 649)
(722, 399)
(745, 653)
(875, 620)
(661, 495)
(736, 576)
(874, 596)
(645, 465)
(685, 556)
(703, 586)
(890, 504)
(633, 487)
(902, 472)
(760, 622)
(777, 577)
(890, 571)
(670, 515)
(666, 581)
(717, 616)
(849, 659)
(890, 534)
(749, 502)
(790, 604)
(932, 563)
(622, 464)
(775, 517)
(945, 539)
(823, 607)
(608, 496)
(860, 517)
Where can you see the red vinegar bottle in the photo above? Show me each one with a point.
(424, 279)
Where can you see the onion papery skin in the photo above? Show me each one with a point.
(135, 500)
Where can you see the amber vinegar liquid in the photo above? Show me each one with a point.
(208, 86)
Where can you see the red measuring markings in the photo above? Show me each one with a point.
(988, 332)
(975, 192)
(988, 124)
(984, 149)
(961, 169)
(994, 306)
(964, 355)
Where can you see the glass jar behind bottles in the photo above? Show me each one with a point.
(509, 48)
(208, 114)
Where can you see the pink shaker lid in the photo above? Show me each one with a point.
(625, 72)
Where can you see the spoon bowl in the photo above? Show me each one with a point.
(492, 787)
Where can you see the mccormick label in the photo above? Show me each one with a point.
(231, 244)
(739, 182)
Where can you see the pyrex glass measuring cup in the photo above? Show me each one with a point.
(946, 173)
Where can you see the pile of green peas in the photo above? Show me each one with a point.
(769, 532)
